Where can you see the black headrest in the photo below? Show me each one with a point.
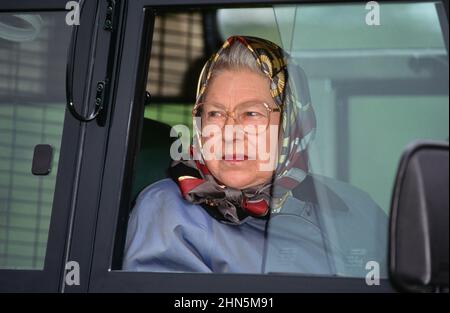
(419, 233)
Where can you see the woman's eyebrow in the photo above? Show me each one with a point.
(216, 104)
(247, 101)
(254, 100)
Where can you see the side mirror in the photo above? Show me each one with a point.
(419, 236)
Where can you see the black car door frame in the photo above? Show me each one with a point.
(92, 153)
(115, 195)
(76, 164)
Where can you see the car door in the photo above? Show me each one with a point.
(339, 94)
(72, 109)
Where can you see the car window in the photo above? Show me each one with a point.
(374, 89)
(33, 51)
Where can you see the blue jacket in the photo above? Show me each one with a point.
(336, 237)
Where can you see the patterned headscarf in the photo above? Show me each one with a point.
(289, 90)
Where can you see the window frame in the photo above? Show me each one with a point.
(116, 187)
(106, 49)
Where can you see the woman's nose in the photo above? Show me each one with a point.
(230, 119)
(232, 131)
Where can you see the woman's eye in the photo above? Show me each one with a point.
(253, 114)
(215, 114)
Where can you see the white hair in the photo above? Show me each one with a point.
(236, 57)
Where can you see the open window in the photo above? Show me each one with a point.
(374, 89)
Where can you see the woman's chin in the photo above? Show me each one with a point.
(237, 179)
(237, 184)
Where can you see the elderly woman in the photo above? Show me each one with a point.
(237, 210)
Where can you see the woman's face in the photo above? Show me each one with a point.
(247, 165)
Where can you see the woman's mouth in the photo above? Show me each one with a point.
(235, 157)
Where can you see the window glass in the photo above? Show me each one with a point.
(367, 111)
(33, 51)
(426, 118)
(337, 26)
(374, 89)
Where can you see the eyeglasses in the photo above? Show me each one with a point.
(246, 114)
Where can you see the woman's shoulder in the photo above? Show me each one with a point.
(163, 187)
(350, 194)
(161, 229)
